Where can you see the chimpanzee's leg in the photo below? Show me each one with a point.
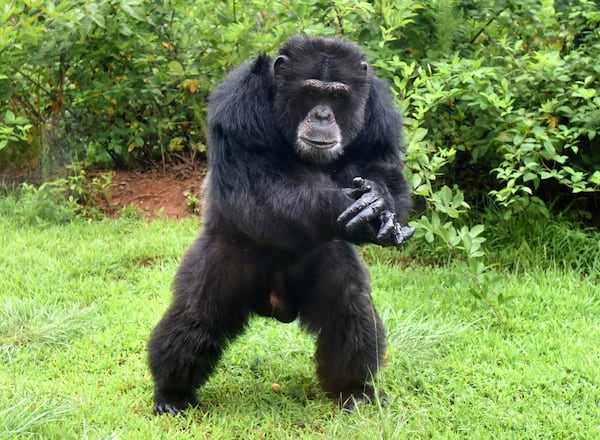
(214, 290)
(337, 307)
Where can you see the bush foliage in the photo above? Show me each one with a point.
(501, 99)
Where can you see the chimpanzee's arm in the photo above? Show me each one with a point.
(275, 201)
(374, 165)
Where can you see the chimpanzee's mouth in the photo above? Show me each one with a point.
(323, 145)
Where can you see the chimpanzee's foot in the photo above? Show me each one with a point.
(353, 401)
(172, 403)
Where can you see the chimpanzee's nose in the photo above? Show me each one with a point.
(322, 113)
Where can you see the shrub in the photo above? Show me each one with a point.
(499, 98)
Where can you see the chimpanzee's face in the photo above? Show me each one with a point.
(320, 98)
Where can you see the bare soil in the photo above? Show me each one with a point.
(157, 193)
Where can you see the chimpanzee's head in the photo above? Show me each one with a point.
(322, 87)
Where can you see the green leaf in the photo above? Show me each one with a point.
(9, 117)
(518, 139)
(131, 12)
(125, 30)
(429, 237)
(549, 148)
(176, 68)
(477, 230)
(539, 132)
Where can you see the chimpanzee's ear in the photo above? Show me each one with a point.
(278, 62)
(364, 66)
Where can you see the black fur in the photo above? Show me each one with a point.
(271, 243)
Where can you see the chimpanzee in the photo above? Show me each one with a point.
(304, 159)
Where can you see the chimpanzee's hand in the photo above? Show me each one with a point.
(392, 233)
(369, 203)
(370, 208)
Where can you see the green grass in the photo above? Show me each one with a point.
(77, 303)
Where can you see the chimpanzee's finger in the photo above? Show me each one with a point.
(402, 233)
(359, 182)
(388, 221)
(356, 193)
(361, 186)
(366, 215)
(361, 204)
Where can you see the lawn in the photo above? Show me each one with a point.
(77, 303)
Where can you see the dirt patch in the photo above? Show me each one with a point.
(157, 192)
